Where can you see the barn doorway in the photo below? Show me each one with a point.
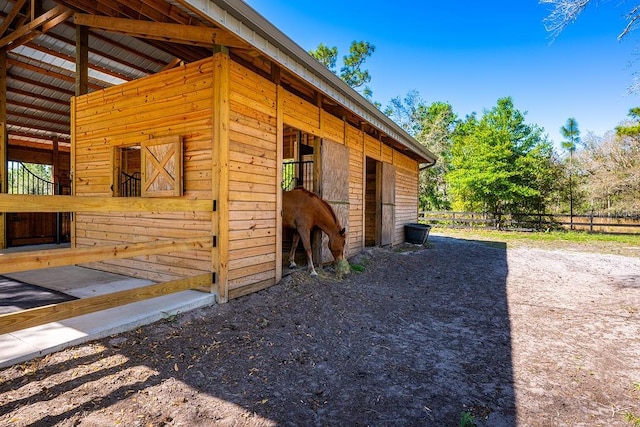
(298, 153)
(379, 205)
(297, 165)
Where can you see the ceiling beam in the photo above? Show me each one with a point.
(174, 33)
(16, 138)
(33, 107)
(72, 59)
(29, 31)
(11, 16)
(41, 126)
(51, 73)
(63, 103)
(64, 123)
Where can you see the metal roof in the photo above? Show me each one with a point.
(41, 62)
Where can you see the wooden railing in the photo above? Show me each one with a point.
(31, 260)
(532, 221)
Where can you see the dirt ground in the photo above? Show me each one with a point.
(422, 336)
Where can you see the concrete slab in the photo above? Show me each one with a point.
(81, 282)
(78, 281)
(27, 344)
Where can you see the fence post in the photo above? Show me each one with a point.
(591, 221)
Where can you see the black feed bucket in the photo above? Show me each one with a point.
(416, 233)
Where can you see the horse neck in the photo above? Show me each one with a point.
(327, 223)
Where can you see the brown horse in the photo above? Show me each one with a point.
(303, 210)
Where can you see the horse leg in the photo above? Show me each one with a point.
(294, 246)
(306, 242)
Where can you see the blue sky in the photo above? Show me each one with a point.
(471, 53)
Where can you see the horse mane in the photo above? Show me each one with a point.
(323, 203)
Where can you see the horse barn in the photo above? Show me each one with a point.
(170, 129)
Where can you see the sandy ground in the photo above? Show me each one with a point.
(514, 336)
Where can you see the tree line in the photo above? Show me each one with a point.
(496, 162)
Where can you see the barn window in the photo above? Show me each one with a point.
(150, 169)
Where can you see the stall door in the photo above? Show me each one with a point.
(388, 204)
(335, 186)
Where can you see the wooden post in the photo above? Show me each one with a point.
(72, 168)
(4, 138)
(316, 236)
(220, 171)
(363, 195)
(279, 159)
(82, 60)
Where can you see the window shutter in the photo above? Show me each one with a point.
(162, 167)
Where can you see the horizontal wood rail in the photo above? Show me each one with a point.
(532, 221)
(12, 322)
(12, 262)
(38, 203)
(34, 260)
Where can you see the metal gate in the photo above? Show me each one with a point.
(28, 228)
(297, 174)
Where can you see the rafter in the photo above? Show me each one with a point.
(17, 138)
(8, 20)
(49, 72)
(35, 107)
(174, 33)
(63, 92)
(71, 59)
(31, 30)
(62, 123)
(40, 126)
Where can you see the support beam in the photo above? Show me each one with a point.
(4, 141)
(38, 203)
(220, 175)
(279, 159)
(82, 60)
(28, 32)
(174, 33)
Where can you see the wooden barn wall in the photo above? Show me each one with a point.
(178, 102)
(253, 184)
(305, 116)
(406, 193)
(175, 102)
(406, 185)
(300, 114)
(354, 139)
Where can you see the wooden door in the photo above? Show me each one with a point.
(334, 184)
(161, 162)
(387, 204)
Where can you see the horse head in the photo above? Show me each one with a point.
(336, 244)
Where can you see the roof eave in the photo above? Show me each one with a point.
(243, 21)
